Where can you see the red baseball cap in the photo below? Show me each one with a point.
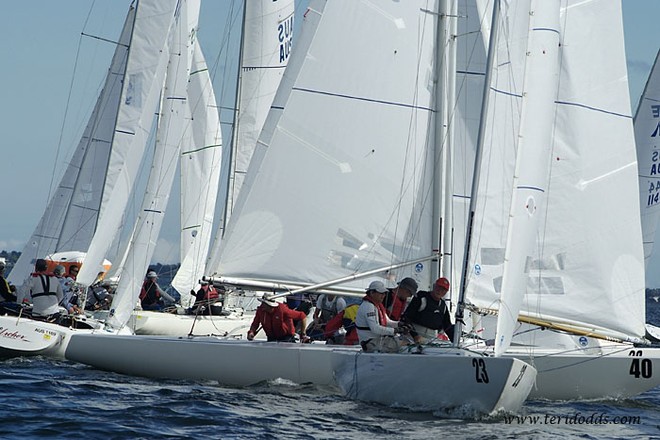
(442, 282)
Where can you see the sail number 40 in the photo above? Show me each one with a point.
(640, 367)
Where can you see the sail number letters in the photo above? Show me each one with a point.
(640, 367)
(480, 370)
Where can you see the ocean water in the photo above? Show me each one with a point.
(42, 398)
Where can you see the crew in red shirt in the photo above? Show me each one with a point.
(277, 320)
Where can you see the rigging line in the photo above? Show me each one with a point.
(107, 40)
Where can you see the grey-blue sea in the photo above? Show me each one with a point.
(42, 398)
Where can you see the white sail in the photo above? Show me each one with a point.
(173, 120)
(266, 44)
(70, 219)
(647, 136)
(140, 93)
(531, 176)
(348, 168)
(200, 162)
(588, 266)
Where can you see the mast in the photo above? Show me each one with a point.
(231, 178)
(477, 167)
(442, 225)
(440, 169)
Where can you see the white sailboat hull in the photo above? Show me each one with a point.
(445, 379)
(230, 362)
(168, 324)
(617, 371)
(572, 367)
(28, 337)
(495, 384)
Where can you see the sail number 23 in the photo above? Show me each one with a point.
(640, 367)
(480, 370)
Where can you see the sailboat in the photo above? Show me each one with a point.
(297, 220)
(114, 133)
(582, 317)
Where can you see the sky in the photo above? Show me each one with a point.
(50, 85)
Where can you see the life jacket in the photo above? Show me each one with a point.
(382, 313)
(5, 290)
(45, 284)
(431, 314)
(395, 306)
(328, 308)
(149, 293)
(209, 292)
(346, 319)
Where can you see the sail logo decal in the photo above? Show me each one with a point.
(285, 37)
(419, 267)
(13, 335)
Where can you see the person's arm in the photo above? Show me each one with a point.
(410, 315)
(317, 310)
(255, 324)
(297, 315)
